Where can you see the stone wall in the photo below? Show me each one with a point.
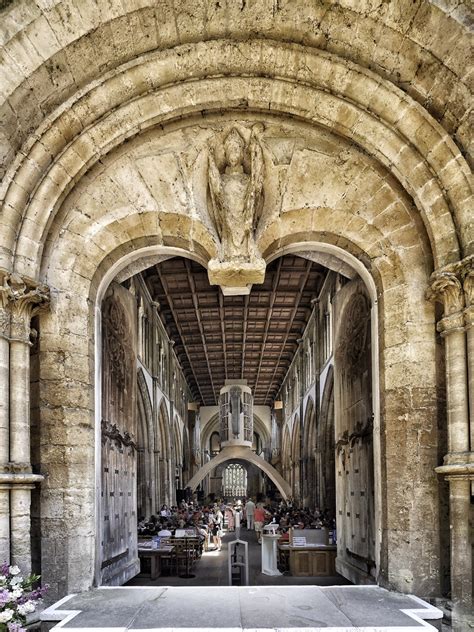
(365, 142)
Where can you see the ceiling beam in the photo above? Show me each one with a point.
(276, 281)
(295, 309)
(223, 320)
(164, 284)
(192, 287)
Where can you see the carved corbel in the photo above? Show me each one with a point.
(446, 288)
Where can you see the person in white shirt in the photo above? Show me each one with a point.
(249, 513)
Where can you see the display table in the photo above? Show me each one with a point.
(309, 553)
(316, 560)
(155, 556)
(269, 554)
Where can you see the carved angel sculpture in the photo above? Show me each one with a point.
(237, 195)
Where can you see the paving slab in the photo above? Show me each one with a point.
(289, 607)
(242, 609)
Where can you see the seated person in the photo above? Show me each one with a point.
(164, 531)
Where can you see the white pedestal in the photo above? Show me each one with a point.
(269, 555)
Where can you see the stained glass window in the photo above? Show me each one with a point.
(235, 480)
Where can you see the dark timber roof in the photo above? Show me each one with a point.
(221, 337)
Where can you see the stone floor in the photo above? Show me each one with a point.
(270, 604)
(211, 570)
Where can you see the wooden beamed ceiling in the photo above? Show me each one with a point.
(219, 337)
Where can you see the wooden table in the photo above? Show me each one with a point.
(311, 560)
(155, 556)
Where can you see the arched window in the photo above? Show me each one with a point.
(256, 443)
(215, 443)
(234, 481)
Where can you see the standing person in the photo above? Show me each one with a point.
(259, 516)
(229, 515)
(237, 515)
(220, 519)
(250, 513)
(216, 536)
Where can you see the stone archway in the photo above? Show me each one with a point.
(246, 454)
(398, 232)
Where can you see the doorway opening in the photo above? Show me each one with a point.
(302, 342)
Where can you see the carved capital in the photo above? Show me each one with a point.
(4, 322)
(466, 270)
(20, 300)
(447, 289)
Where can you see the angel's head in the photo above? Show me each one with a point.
(234, 146)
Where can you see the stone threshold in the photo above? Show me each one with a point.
(242, 609)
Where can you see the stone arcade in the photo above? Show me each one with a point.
(311, 161)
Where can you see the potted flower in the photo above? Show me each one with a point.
(18, 598)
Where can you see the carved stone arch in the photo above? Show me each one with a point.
(232, 453)
(211, 426)
(163, 448)
(262, 430)
(163, 430)
(186, 453)
(387, 143)
(146, 410)
(286, 452)
(177, 441)
(296, 457)
(145, 449)
(325, 441)
(309, 444)
(309, 426)
(176, 456)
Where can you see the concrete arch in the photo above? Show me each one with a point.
(246, 454)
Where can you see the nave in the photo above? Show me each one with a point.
(212, 570)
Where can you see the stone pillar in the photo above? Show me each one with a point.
(4, 419)
(467, 275)
(458, 467)
(21, 300)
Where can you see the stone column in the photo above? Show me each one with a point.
(458, 464)
(25, 299)
(4, 418)
(467, 275)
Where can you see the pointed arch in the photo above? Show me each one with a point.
(309, 445)
(145, 451)
(325, 441)
(296, 458)
(163, 449)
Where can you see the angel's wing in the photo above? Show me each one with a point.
(215, 188)
(254, 198)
